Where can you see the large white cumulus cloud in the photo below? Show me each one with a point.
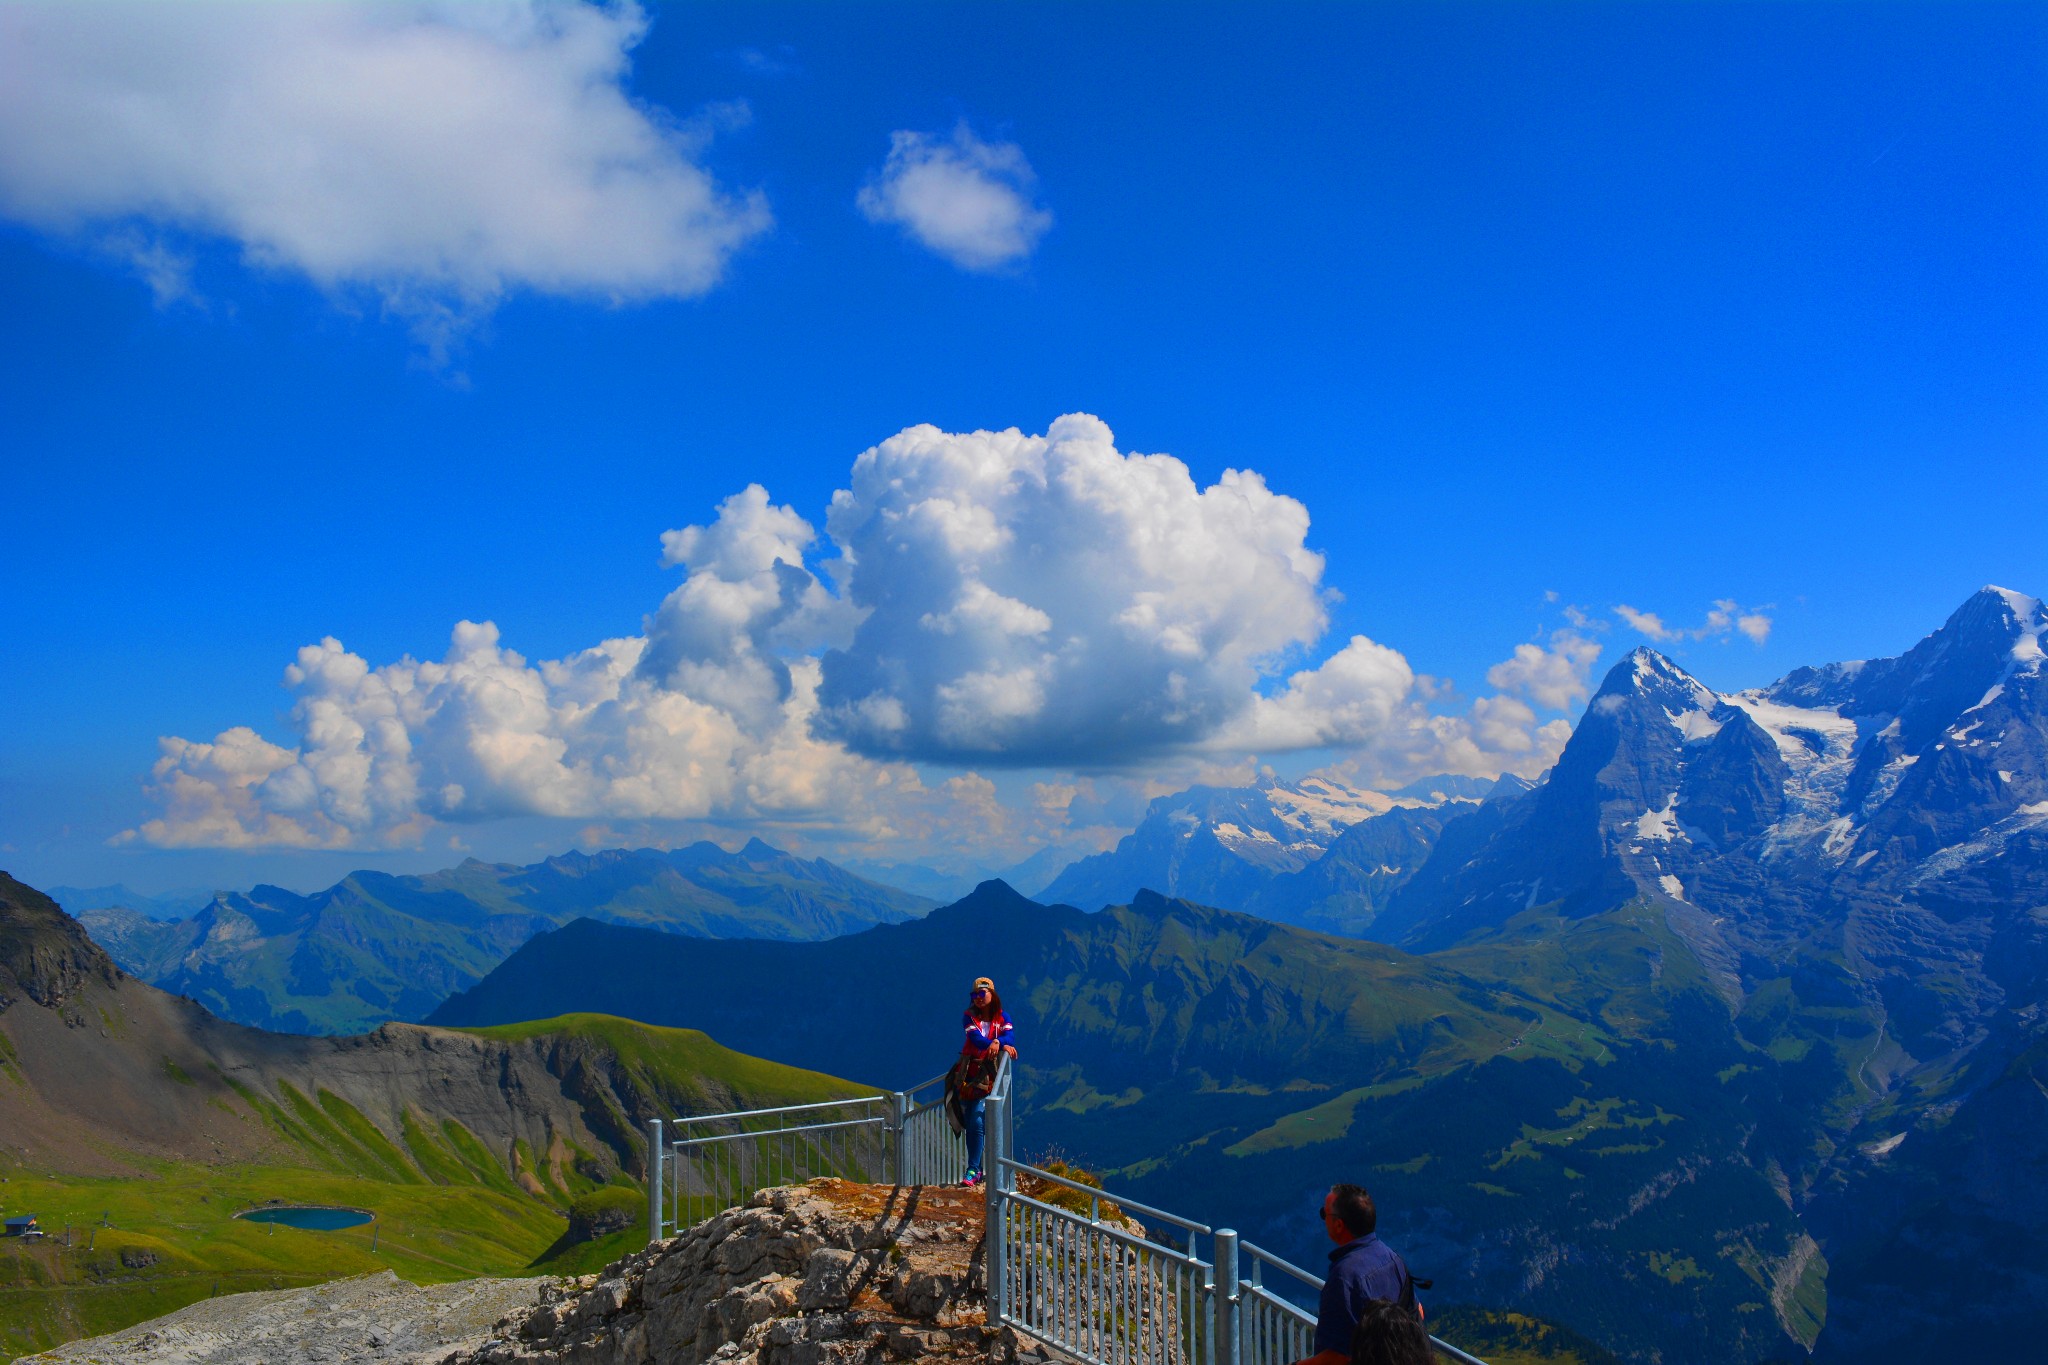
(1002, 600)
(1050, 600)
(437, 155)
(701, 717)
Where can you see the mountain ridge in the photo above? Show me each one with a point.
(377, 946)
(1246, 846)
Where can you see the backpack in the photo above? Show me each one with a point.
(1409, 1284)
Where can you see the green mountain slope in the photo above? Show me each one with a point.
(142, 1124)
(376, 947)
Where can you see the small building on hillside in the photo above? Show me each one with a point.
(22, 1225)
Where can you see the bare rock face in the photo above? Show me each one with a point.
(44, 954)
(828, 1273)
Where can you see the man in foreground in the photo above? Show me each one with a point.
(1362, 1268)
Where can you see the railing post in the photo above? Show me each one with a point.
(653, 1181)
(995, 1246)
(899, 1117)
(1227, 1335)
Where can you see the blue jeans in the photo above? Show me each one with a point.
(977, 1128)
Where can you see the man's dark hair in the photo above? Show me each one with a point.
(1353, 1207)
(1389, 1334)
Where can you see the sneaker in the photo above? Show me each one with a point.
(971, 1179)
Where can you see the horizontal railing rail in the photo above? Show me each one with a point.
(787, 1109)
(1122, 1201)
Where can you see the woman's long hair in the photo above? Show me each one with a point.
(993, 1010)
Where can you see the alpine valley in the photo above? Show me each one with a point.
(1724, 1041)
(134, 1126)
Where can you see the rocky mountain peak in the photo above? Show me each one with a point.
(44, 952)
(1648, 673)
(1995, 634)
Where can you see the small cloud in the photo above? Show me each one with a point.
(777, 61)
(165, 269)
(1554, 677)
(1724, 618)
(1582, 620)
(1645, 623)
(964, 199)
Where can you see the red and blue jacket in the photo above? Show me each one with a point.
(983, 1034)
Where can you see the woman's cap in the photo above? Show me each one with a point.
(982, 983)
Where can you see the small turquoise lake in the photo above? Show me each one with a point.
(309, 1216)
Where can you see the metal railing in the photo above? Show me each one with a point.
(1128, 1290)
(712, 1162)
(928, 1151)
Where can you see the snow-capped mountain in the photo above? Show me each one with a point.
(1763, 809)
(1231, 846)
(1850, 866)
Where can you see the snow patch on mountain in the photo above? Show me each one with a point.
(1989, 842)
(1661, 823)
(1319, 806)
(1819, 746)
(1694, 726)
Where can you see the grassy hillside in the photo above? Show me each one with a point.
(449, 1204)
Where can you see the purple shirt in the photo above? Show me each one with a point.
(1361, 1269)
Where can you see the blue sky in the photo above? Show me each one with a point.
(1530, 308)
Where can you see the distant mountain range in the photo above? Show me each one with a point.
(377, 947)
(1315, 852)
(1725, 1041)
(77, 900)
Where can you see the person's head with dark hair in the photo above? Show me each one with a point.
(982, 1000)
(1350, 1208)
(1389, 1334)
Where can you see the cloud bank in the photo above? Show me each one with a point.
(435, 156)
(964, 199)
(997, 600)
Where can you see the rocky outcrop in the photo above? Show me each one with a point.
(44, 954)
(827, 1273)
